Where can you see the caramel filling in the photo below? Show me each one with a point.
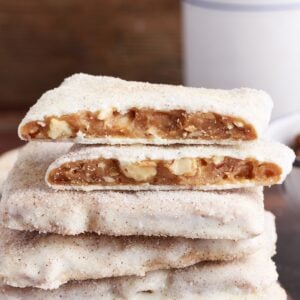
(184, 171)
(140, 123)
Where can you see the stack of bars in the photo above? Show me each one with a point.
(131, 190)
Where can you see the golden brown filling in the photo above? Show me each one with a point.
(183, 171)
(140, 123)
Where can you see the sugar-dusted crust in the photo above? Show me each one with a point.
(94, 290)
(82, 92)
(28, 204)
(48, 261)
(237, 279)
(7, 161)
(262, 151)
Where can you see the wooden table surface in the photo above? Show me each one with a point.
(288, 228)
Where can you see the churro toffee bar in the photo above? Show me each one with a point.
(203, 167)
(99, 109)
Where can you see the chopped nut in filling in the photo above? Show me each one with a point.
(183, 166)
(140, 123)
(183, 171)
(142, 171)
(58, 128)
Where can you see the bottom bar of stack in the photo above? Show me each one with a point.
(253, 277)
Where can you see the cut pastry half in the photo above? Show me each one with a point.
(99, 110)
(139, 167)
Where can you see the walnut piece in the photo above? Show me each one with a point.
(184, 166)
(190, 128)
(58, 129)
(140, 171)
(217, 160)
(229, 126)
(108, 179)
(238, 124)
(105, 114)
(153, 132)
(119, 122)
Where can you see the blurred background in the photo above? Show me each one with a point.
(211, 43)
(215, 44)
(43, 41)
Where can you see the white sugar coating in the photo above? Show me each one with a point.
(110, 289)
(48, 261)
(263, 151)
(28, 204)
(83, 92)
(249, 278)
(7, 161)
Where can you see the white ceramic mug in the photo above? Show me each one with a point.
(238, 43)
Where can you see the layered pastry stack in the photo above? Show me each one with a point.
(166, 203)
